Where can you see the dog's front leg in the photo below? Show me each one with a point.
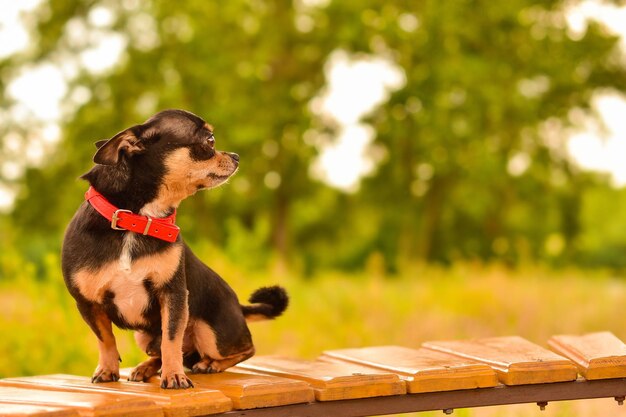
(108, 368)
(174, 317)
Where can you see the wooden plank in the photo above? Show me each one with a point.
(248, 391)
(423, 370)
(175, 403)
(515, 360)
(87, 404)
(597, 355)
(330, 381)
(22, 410)
(451, 400)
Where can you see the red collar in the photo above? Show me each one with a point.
(162, 228)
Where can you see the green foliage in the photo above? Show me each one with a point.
(477, 90)
(44, 333)
(483, 80)
(603, 243)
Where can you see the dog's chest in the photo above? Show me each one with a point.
(126, 281)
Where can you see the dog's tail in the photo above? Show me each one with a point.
(266, 303)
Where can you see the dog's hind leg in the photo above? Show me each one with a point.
(151, 344)
(145, 370)
(211, 359)
(209, 366)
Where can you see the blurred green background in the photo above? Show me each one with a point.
(409, 170)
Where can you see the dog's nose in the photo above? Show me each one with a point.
(234, 156)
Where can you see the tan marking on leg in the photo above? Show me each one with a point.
(212, 360)
(188, 339)
(108, 361)
(205, 341)
(172, 371)
(223, 364)
(207, 365)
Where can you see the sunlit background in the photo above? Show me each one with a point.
(423, 169)
(355, 85)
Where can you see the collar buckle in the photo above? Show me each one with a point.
(116, 218)
(122, 219)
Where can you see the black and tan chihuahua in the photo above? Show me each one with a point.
(124, 262)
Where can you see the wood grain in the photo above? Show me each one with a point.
(597, 355)
(330, 381)
(423, 370)
(515, 360)
(87, 404)
(174, 403)
(21, 410)
(249, 391)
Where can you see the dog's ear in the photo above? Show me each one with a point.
(110, 151)
(100, 143)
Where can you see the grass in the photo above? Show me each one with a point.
(42, 331)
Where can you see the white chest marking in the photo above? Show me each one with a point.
(127, 248)
(125, 278)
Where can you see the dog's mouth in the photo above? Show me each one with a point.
(213, 180)
(216, 177)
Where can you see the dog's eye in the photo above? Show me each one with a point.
(211, 140)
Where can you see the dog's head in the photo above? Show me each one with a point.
(165, 159)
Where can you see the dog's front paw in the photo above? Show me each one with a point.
(105, 375)
(175, 380)
(145, 370)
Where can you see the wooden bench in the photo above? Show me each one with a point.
(439, 375)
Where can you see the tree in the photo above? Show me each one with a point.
(242, 65)
(469, 170)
